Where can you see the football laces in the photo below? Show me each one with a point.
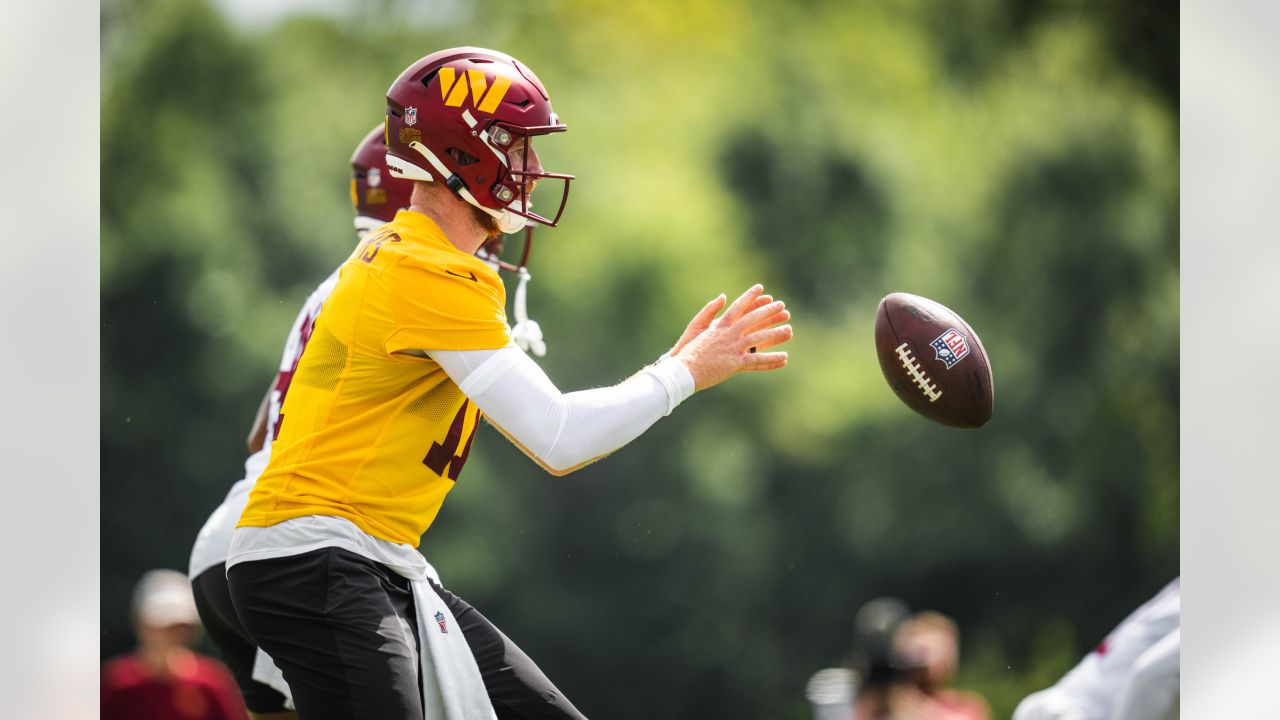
(917, 373)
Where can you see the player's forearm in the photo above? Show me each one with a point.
(596, 422)
(579, 449)
(564, 431)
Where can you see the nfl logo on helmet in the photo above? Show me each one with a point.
(411, 116)
(950, 347)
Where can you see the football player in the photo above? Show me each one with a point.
(376, 196)
(412, 347)
(1131, 675)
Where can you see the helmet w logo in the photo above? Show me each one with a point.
(454, 89)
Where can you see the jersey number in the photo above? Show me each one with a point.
(368, 253)
(285, 377)
(442, 455)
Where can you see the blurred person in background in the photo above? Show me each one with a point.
(881, 674)
(930, 641)
(412, 347)
(900, 670)
(863, 690)
(164, 679)
(1133, 674)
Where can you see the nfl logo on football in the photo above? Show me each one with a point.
(950, 347)
(411, 116)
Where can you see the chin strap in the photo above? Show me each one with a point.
(526, 332)
(508, 222)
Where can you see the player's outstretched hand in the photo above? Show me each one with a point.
(703, 319)
(717, 348)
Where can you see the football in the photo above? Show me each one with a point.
(934, 361)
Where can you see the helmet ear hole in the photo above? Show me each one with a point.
(462, 157)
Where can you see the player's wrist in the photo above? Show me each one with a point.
(674, 377)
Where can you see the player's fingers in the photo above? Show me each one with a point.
(710, 310)
(750, 320)
(739, 306)
(765, 361)
(768, 322)
(776, 365)
(767, 338)
(700, 322)
(759, 302)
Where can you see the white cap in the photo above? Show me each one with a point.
(163, 597)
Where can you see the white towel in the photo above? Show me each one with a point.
(266, 672)
(452, 688)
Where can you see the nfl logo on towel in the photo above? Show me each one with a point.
(440, 621)
(950, 347)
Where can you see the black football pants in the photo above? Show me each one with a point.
(343, 630)
(222, 625)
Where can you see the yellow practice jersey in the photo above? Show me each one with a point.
(366, 432)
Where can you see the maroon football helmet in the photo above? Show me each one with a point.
(376, 195)
(466, 117)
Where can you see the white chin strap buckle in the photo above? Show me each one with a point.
(526, 333)
(509, 222)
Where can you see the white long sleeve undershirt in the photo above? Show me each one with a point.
(563, 431)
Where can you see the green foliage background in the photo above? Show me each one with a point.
(1017, 161)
